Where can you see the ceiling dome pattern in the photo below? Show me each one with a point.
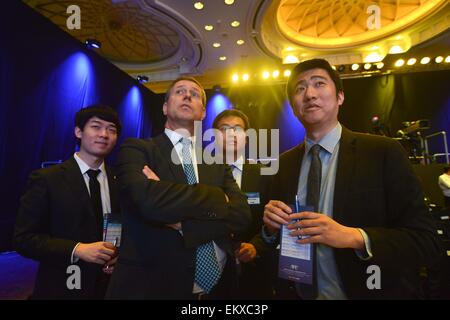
(333, 23)
(127, 33)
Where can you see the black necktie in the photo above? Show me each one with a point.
(314, 178)
(96, 199)
(312, 199)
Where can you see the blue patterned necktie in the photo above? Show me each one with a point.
(207, 271)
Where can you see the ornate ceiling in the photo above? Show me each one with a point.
(165, 38)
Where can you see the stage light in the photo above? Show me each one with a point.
(399, 63)
(439, 59)
(93, 44)
(266, 75)
(367, 66)
(287, 73)
(235, 77)
(411, 61)
(275, 74)
(142, 79)
(425, 60)
(245, 77)
(209, 27)
(355, 66)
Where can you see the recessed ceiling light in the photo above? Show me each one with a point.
(235, 77)
(367, 66)
(380, 65)
(333, 67)
(425, 60)
(235, 24)
(266, 75)
(222, 58)
(355, 66)
(198, 5)
(229, 2)
(240, 42)
(216, 45)
(399, 62)
(411, 61)
(439, 59)
(209, 27)
(447, 59)
(245, 77)
(396, 49)
(275, 74)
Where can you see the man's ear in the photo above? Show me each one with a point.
(165, 108)
(340, 98)
(78, 133)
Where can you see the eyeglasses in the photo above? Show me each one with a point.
(227, 128)
(183, 91)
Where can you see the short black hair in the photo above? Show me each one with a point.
(308, 65)
(446, 169)
(231, 113)
(103, 112)
(174, 82)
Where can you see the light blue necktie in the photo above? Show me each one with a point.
(207, 271)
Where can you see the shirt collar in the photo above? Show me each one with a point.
(84, 166)
(239, 163)
(175, 137)
(328, 142)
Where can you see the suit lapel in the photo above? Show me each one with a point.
(165, 146)
(75, 181)
(293, 164)
(345, 171)
(113, 190)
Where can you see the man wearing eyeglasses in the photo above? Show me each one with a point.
(180, 214)
(252, 253)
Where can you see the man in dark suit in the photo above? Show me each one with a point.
(60, 219)
(179, 214)
(257, 261)
(369, 208)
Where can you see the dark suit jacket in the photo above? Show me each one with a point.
(156, 261)
(55, 214)
(376, 190)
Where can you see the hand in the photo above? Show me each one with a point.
(175, 226)
(150, 174)
(246, 253)
(276, 213)
(96, 252)
(108, 268)
(322, 229)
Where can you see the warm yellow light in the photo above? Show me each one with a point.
(266, 75)
(290, 59)
(216, 45)
(235, 77)
(380, 65)
(355, 66)
(209, 27)
(245, 77)
(439, 59)
(333, 67)
(411, 61)
(229, 2)
(373, 57)
(396, 49)
(425, 60)
(447, 59)
(222, 58)
(287, 73)
(240, 42)
(367, 66)
(235, 24)
(198, 5)
(275, 74)
(399, 63)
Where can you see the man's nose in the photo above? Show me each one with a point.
(104, 133)
(310, 93)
